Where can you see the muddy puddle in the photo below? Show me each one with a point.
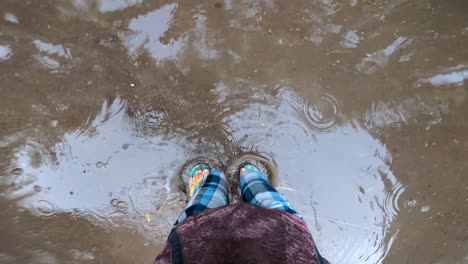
(361, 104)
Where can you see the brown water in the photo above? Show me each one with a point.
(361, 104)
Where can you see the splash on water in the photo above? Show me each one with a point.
(5, 53)
(44, 208)
(10, 17)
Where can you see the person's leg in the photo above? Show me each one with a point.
(210, 193)
(256, 189)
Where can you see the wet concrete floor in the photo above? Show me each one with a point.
(361, 104)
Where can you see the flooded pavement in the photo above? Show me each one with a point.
(361, 104)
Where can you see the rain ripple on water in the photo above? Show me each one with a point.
(44, 208)
(392, 199)
(321, 115)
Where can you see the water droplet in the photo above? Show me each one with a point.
(425, 208)
(11, 18)
(118, 204)
(44, 208)
(98, 68)
(122, 205)
(114, 202)
(5, 53)
(410, 203)
(17, 171)
(54, 123)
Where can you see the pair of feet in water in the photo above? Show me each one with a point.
(202, 170)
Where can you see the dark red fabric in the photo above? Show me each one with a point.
(241, 233)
